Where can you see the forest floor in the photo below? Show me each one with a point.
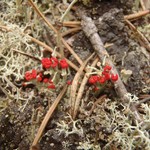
(60, 108)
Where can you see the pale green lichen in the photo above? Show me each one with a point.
(112, 121)
(70, 127)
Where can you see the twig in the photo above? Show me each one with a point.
(52, 27)
(75, 82)
(90, 31)
(67, 10)
(137, 15)
(72, 52)
(71, 31)
(81, 89)
(140, 36)
(42, 16)
(142, 4)
(59, 42)
(47, 116)
(71, 23)
(28, 55)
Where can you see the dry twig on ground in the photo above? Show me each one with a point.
(71, 31)
(72, 24)
(142, 4)
(90, 31)
(47, 116)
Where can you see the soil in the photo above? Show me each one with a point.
(18, 125)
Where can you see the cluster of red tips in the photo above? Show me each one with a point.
(106, 76)
(39, 77)
(64, 64)
(93, 79)
(47, 63)
(51, 86)
(69, 82)
(29, 75)
(54, 62)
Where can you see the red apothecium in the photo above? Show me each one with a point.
(64, 64)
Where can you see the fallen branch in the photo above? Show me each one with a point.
(47, 117)
(90, 31)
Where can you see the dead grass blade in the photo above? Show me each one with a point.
(90, 31)
(47, 116)
(73, 30)
(72, 24)
(137, 15)
(81, 89)
(75, 82)
(142, 4)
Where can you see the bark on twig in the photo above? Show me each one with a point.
(90, 31)
(71, 23)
